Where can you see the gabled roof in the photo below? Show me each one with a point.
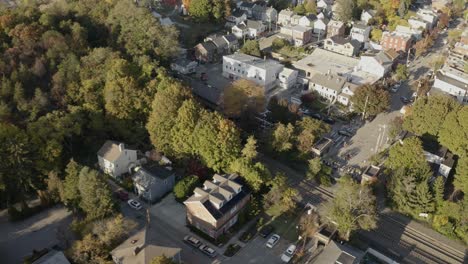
(219, 41)
(371, 12)
(230, 38)
(245, 4)
(254, 24)
(238, 13)
(331, 81)
(208, 45)
(147, 176)
(52, 257)
(335, 23)
(110, 151)
(141, 249)
(219, 195)
(286, 12)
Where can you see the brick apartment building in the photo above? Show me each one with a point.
(396, 41)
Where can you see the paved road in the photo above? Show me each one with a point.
(45, 229)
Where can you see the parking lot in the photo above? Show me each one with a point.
(257, 252)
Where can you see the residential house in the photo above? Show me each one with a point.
(247, 7)
(438, 5)
(335, 28)
(265, 14)
(220, 43)
(300, 35)
(250, 29)
(344, 46)
(284, 17)
(336, 253)
(360, 32)
(320, 26)
(440, 160)
(206, 52)
(287, 78)
(347, 92)
(236, 18)
(416, 34)
(322, 146)
(214, 208)
(295, 19)
(184, 66)
(264, 72)
(418, 23)
(328, 85)
(142, 248)
(153, 182)
(50, 257)
(453, 82)
(114, 159)
(394, 40)
(376, 63)
(324, 4)
(429, 16)
(325, 234)
(307, 21)
(232, 43)
(367, 15)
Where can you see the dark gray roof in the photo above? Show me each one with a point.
(219, 42)
(247, 4)
(147, 176)
(52, 257)
(345, 258)
(209, 45)
(231, 38)
(238, 13)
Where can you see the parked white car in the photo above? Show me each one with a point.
(273, 241)
(134, 204)
(289, 253)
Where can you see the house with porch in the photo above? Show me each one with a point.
(115, 159)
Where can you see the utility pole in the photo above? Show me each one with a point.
(365, 106)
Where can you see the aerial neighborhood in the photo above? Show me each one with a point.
(234, 131)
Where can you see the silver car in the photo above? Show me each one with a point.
(274, 239)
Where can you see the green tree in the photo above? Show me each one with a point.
(96, 197)
(162, 260)
(54, 187)
(427, 113)
(315, 165)
(201, 9)
(71, 194)
(311, 7)
(370, 100)
(183, 130)
(353, 208)
(184, 188)
(282, 137)
(438, 189)
(250, 148)
(281, 197)
(89, 250)
(401, 73)
(345, 10)
(408, 156)
(454, 131)
(461, 177)
(255, 174)
(251, 47)
(300, 9)
(309, 130)
(243, 96)
(218, 9)
(376, 35)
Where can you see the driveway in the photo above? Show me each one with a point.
(256, 252)
(46, 229)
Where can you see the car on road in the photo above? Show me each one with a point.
(266, 231)
(122, 195)
(274, 239)
(344, 132)
(404, 100)
(289, 253)
(207, 250)
(192, 241)
(395, 88)
(134, 204)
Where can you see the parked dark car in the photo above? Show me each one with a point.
(345, 133)
(266, 231)
(328, 120)
(122, 195)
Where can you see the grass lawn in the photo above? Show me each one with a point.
(285, 225)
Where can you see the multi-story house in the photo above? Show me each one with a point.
(347, 92)
(247, 7)
(360, 32)
(284, 17)
(415, 33)
(428, 15)
(367, 15)
(250, 29)
(214, 208)
(320, 26)
(344, 46)
(114, 159)
(327, 85)
(300, 35)
(236, 18)
(261, 71)
(287, 78)
(335, 28)
(419, 24)
(206, 51)
(393, 40)
(307, 21)
(451, 81)
(378, 64)
(153, 182)
(265, 14)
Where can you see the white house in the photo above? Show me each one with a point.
(261, 71)
(428, 15)
(236, 18)
(417, 23)
(360, 32)
(324, 4)
(327, 85)
(320, 26)
(295, 20)
(378, 64)
(415, 33)
(114, 159)
(442, 159)
(366, 15)
(307, 21)
(284, 16)
(287, 78)
(184, 66)
(347, 92)
(250, 28)
(344, 46)
(452, 82)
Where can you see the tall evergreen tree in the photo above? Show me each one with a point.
(183, 131)
(96, 197)
(71, 194)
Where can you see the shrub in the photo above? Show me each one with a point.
(231, 250)
(184, 188)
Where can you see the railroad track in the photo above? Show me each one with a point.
(431, 243)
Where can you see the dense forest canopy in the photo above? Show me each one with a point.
(74, 73)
